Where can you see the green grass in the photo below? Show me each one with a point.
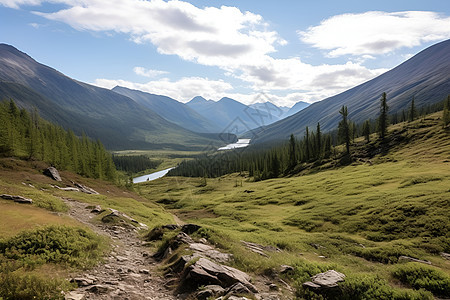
(363, 216)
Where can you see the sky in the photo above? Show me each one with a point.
(251, 51)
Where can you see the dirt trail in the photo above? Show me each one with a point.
(129, 271)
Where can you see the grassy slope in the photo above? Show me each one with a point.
(26, 276)
(360, 214)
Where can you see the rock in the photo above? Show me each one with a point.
(52, 173)
(210, 252)
(445, 255)
(273, 287)
(260, 248)
(317, 246)
(286, 269)
(210, 291)
(407, 258)
(156, 234)
(171, 226)
(85, 189)
(179, 239)
(18, 199)
(238, 289)
(190, 228)
(248, 191)
(97, 209)
(80, 281)
(328, 279)
(67, 189)
(204, 272)
(99, 289)
(144, 271)
(74, 296)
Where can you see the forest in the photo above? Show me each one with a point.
(314, 148)
(27, 136)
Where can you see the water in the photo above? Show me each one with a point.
(239, 144)
(152, 176)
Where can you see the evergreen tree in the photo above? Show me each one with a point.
(344, 129)
(446, 112)
(306, 145)
(366, 130)
(318, 141)
(383, 118)
(292, 154)
(412, 115)
(327, 146)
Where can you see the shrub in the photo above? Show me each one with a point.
(420, 276)
(54, 244)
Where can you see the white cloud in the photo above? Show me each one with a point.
(376, 32)
(141, 71)
(182, 90)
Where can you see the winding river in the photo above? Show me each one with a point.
(152, 176)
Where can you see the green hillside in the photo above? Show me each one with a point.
(358, 219)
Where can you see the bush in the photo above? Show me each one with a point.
(54, 244)
(420, 276)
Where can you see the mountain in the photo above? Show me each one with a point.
(233, 116)
(426, 76)
(300, 105)
(118, 121)
(170, 109)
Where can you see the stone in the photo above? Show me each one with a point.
(97, 209)
(81, 281)
(328, 279)
(190, 228)
(179, 239)
(53, 173)
(144, 271)
(403, 258)
(260, 249)
(171, 226)
(18, 199)
(204, 272)
(99, 289)
(445, 255)
(85, 189)
(238, 289)
(74, 296)
(273, 287)
(210, 291)
(210, 252)
(286, 269)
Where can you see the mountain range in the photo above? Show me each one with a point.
(129, 119)
(425, 76)
(118, 121)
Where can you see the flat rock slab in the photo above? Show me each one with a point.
(328, 279)
(204, 272)
(18, 199)
(210, 252)
(407, 258)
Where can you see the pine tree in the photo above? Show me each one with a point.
(383, 118)
(292, 155)
(446, 112)
(412, 115)
(344, 129)
(306, 144)
(366, 130)
(318, 141)
(327, 146)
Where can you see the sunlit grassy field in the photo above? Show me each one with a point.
(358, 218)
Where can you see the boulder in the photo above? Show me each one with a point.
(18, 199)
(237, 289)
(286, 269)
(210, 252)
(190, 228)
(210, 291)
(204, 272)
(85, 189)
(97, 209)
(53, 173)
(177, 241)
(403, 258)
(328, 279)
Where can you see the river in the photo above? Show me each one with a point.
(239, 144)
(152, 176)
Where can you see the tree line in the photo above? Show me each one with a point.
(28, 136)
(131, 164)
(312, 148)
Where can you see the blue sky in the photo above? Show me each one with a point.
(289, 50)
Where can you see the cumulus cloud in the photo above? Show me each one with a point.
(141, 71)
(182, 90)
(376, 32)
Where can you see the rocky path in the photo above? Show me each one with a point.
(129, 271)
